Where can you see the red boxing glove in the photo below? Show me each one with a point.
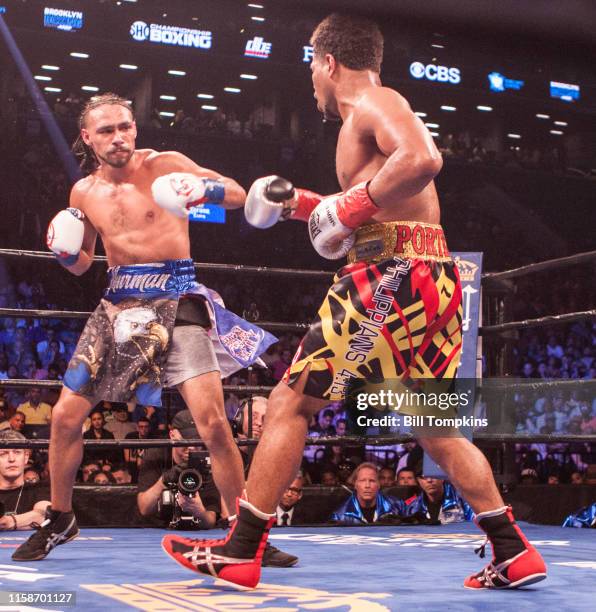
(306, 202)
(355, 206)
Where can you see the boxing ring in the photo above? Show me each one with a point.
(360, 569)
(364, 569)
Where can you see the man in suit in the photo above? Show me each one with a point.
(289, 512)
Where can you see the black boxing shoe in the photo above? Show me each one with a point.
(515, 563)
(57, 528)
(273, 557)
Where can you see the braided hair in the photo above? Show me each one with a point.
(88, 161)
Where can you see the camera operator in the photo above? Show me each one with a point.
(164, 478)
(21, 503)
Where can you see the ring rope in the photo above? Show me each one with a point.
(549, 264)
(578, 258)
(57, 384)
(283, 326)
(501, 384)
(309, 441)
(539, 322)
(19, 313)
(218, 267)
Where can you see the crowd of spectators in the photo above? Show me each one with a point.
(472, 149)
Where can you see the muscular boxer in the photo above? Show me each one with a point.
(394, 312)
(156, 325)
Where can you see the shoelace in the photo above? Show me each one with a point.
(42, 533)
(481, 550)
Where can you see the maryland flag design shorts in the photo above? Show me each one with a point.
(395, 313)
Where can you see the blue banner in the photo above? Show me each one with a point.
(470, 271)
(208, 213)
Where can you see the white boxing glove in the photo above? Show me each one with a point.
(329, 236)
(261, 211)
(332, 223)
(65, 235)
(179, 191)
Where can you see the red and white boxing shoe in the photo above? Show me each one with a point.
(235, 560)
(515, 562)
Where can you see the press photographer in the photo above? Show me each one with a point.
(176, 487)
(21, 503)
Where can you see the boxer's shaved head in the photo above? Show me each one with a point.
(355, 42)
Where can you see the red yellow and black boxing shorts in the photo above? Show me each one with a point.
(393, 313)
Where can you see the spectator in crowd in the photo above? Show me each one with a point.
(120, 426)
(529, 476)
(18, 421)
(43, 346)
(576, 478)
(438, 502)
(121, 474)
(258, 407)
(412, 455)
(88, 468)
(341, 426)
(32, 476)
(133, 457)
(406, 477)
(329, 478)
(367, 504)
(97, 431)
(101, 478)
(24, 502)
(324, 427)
(386, 477)
(290, 511)
(36, 412)
(155, 416)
